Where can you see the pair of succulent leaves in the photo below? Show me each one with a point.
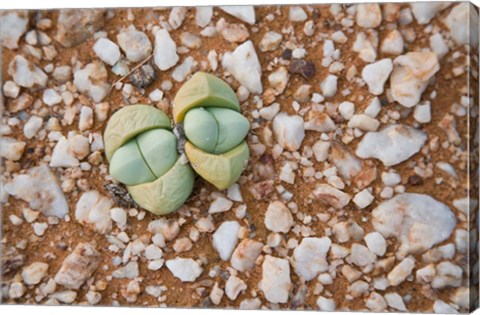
(142, 149)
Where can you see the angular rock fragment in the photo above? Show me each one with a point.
(13, 25)
(177, 16)
(363, 122)
(12, 149)
(363, 199)
(365, 45)
(440, 307)
(369, 15)
(245, 13)
(289, 131)
(244, 65)
(74, 26)
(203, 15)
(135, 44)
(461, 297)
(107, 51)
(278, 80)
(165, 54)
(93, 81)
(244, 256)
(62, 155)
(329, 85)
(129, 271)
(250, 304)
(275, 283)
(40, 188)
(78, 266)
(234, 33)
(417, 221)
(393, 43)
(169, 229)
(331, 196)
(424, 11)
(190, 40)
(220, 204)
(411, 75)
(394, 300)
(458, 22)
(376, 74)
(10, 89)
(358, 288)
(376, 243)
(93, 210)
(51, 97)
(348, 165)
(185, 269)
(392, 145)
(465, 205)
(182, 71)
(34, 273)
(225, 239)
(297, 14)
(376, 303)
(310, 257)
(319, 121)
(233, 287)
(216, 294)
(320, 150)
(326, 305)
(278, 217)
(65, 297)
(401, 271)
(16, 290)
(367, 175)
(270, 41)
(26, 74)
(422, 112)
(361, 256)
(447, 275)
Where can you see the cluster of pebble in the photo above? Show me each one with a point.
(356, 196)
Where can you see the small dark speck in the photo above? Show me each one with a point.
(206, 303)
(415, 180)
(224, 275)
(287, 54)
(62, 246)
(143, 76)
(303, 67)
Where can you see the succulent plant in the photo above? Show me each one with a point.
(142, 152)
(214, 127)
(142, 149)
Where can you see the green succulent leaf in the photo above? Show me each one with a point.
(167, 193)
(159, 150)
(232, 128)
(201, 129)
(130, 121)
(203, 90)
(128, 166)
(215, 129)
(221, 170)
